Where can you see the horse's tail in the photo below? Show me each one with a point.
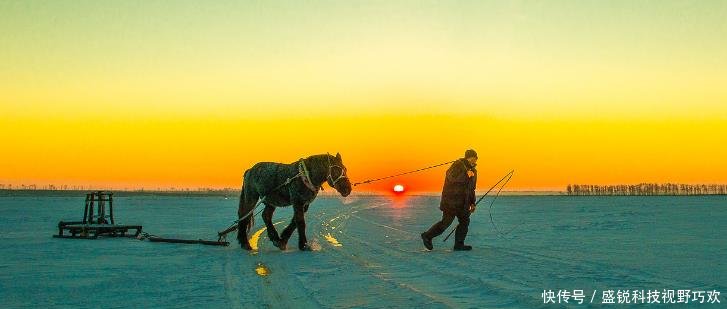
(242, 187)
(242, 211)
(241, 206)
(250, 223)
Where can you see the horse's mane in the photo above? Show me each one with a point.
(318, 165)
(320, 159)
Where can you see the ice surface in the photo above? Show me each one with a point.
(367, 253)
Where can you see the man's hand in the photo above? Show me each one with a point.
(472, 208)
(470, 173)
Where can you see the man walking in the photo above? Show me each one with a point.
(458, 200)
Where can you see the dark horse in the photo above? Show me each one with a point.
(281, 185)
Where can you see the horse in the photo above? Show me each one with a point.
(281, 185)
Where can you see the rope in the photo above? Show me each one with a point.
(506, 178)
(145, 235)
(499, 233)
(223, 235)
(387, 177)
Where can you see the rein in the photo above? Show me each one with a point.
(414, 171)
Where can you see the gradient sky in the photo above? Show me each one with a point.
(191, 93)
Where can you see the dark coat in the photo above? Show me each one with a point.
(459, 190)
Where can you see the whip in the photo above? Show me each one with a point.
(506, 178)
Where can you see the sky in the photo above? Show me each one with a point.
(132, 94)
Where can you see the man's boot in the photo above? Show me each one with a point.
(460, 246)
(427, 241)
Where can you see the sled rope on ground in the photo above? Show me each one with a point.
(155, 238)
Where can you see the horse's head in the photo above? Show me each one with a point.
(337, 177)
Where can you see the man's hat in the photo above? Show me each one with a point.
(470, 153)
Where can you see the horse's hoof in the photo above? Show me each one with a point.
(304, 247)
(282, 245)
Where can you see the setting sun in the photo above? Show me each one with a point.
(398, 188)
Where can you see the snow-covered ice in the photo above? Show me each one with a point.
(368, 253)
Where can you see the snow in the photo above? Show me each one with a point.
(367, 253)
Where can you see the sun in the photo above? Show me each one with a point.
(398, 188)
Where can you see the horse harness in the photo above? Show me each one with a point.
(305, 178)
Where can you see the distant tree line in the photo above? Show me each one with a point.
(648, 189)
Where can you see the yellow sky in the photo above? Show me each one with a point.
(189, 94)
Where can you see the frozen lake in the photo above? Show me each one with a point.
(367, 253)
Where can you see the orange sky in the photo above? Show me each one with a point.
(131, 95)
(214, 153)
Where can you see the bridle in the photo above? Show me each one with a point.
(332, 182)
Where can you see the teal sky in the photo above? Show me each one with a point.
(552, 57)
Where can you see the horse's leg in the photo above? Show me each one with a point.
(299, 218)
(248, 199)
(268, 219)
(287, 232)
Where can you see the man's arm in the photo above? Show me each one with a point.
(471, 197)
